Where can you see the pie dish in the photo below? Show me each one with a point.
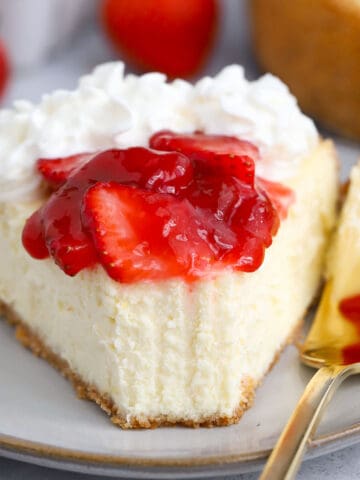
(180, 326)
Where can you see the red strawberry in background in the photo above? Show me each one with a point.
(171, 36)
(4, 68)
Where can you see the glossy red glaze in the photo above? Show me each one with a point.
(214, 154)
(57, 170)
(281, 196)
(150, 215)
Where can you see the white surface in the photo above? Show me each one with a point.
(62, 72)
(32, 30)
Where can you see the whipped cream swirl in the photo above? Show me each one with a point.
(111, 109)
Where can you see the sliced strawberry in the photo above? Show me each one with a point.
(142, 235)
(165, 172)
(162, 215)
(238, 210)
(198, 142)
(240, 167)
(217, 154)
(61, 227)
(255, 215)
(281, 196)
(57, 170)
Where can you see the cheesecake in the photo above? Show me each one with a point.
(343, 279)
(162, 242)
(314, 48)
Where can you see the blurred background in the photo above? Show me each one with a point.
(313, 46)
(50, 43)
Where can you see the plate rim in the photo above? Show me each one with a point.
(30, 449)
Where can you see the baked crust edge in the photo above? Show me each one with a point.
(86, 391)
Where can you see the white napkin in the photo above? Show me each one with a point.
(32, 29)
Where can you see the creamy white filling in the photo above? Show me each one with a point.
(344, 255)
(167, 348)
(109, 109)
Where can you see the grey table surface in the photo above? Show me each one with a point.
(340, 465)
(62, 70)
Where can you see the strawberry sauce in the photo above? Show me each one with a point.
(189, 206)
(350, 309)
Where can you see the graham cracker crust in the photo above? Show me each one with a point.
(33, 342)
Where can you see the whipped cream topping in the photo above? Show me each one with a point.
(110, 109)
(263, 112)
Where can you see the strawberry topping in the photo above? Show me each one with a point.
(281, 196)
(142, 234)
(350, 309)
(32, 236)
(188, 207)
(57, 170)
(214, 154)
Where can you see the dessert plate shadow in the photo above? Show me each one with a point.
(42, 421)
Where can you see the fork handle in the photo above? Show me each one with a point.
(286, 457)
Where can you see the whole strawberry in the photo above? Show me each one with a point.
(171, 36)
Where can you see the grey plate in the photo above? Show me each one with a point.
(41, 421)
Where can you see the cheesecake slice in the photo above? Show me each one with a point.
(343, 275)
(343, 262)
(164, 295)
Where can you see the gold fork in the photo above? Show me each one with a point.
(326, 348)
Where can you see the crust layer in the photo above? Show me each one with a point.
(33, 342)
